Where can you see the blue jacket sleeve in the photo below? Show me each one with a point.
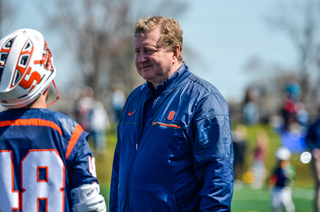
(213, 154)
(312, 138)
(113, 202)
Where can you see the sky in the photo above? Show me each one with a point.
(225, 35)
(222, 36)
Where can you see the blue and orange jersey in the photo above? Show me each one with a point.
(43, 155)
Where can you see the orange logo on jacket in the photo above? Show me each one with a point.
(130, 113)
(171, 115)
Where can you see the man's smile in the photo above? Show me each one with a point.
(145, 66)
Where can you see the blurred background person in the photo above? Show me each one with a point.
(239, 138)
(99, 124)
(84, 107)
(293, 110)
(293, 89)
(259, 156)
(281, 181)
(289, 113)
(302, 116)
(250, 107)
(118, 100)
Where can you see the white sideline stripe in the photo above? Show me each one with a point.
(303, 193)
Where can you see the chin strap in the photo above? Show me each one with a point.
(58, 96)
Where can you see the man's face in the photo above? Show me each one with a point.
(153, 61)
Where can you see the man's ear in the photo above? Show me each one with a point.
(176, 52)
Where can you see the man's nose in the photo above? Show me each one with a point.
(142, 57)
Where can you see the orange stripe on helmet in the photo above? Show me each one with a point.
(73, 140)
(31, 122)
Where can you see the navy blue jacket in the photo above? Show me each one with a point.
(313, 136)
(181, 159)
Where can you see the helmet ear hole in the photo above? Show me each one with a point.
(24, 60)
(1, 71)
(17, 77)
(9, 43)
(27, 46)
(4, 57)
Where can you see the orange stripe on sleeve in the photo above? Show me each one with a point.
(74, 138)
(31, 122)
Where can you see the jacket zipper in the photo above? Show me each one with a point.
(133, 159)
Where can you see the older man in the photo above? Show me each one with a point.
(174, 149)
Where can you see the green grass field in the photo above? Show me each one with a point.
(245, 199)
(250, 200)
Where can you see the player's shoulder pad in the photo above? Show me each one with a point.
(66, 124)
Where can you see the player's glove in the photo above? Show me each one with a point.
(86, 198)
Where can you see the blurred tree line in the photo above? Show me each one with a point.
(98, 37)
(299, 21)
(99, 34)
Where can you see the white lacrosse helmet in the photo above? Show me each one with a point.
(283, 153)
(26, 68)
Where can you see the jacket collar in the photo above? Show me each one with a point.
(172, 80)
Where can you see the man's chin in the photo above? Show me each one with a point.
(147, 75)
(147, 78)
